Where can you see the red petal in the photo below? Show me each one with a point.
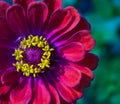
(54, 95)
(41, 94)
(4, 89)
(71, 76)
(23, 3)
(3, 8)
(22, 93)
(6, 53)
(85, 38)
(73, 51)
(90, 61)
(84, 82)
(4, 99)
(5, 102)
(62, 101)
(67, 93)
(82, 25)
(6, 35)
(75, 18)
(83, 69)
(53, 5)
(4, 65)
(37, 14)
(6, 58)
(56, 24)
(16, 19)
(9, 77)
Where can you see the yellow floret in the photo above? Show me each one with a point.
(33, 41)
(23, 44)
(18, 54)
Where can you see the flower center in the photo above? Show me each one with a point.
(33, 55)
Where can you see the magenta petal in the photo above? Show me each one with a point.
(82, 25)
(9, 76)
(5, 102)
(21, 94)
(5, 56)
(71, 76)
(4, 65)
(8, 36)
(84, 82)
(41, 94)
(23, 3)
(3, 8)
(37, 14)
(73, 51)
(4, 89)
(53, 5)
(84, 70)
(90, 61)
(67, 93)
(56, 24)
(75, 18)
(5, 51)
(85, 38)
(54, 95)
(82, 36)
(62, 101)
(16, 19)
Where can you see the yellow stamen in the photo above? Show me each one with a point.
(23, 44)
(33, 41)
(18, 65)
(18, 54)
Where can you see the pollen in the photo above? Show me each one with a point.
(18, 54)
(29, 43)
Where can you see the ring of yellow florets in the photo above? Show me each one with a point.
(32, 41)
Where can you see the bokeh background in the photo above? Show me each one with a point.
(104, 17)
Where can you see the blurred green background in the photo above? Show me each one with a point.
(104, 17)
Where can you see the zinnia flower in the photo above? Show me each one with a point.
(44, 53)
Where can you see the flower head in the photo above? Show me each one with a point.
(44, 53)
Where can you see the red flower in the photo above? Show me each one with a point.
(44, 53)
